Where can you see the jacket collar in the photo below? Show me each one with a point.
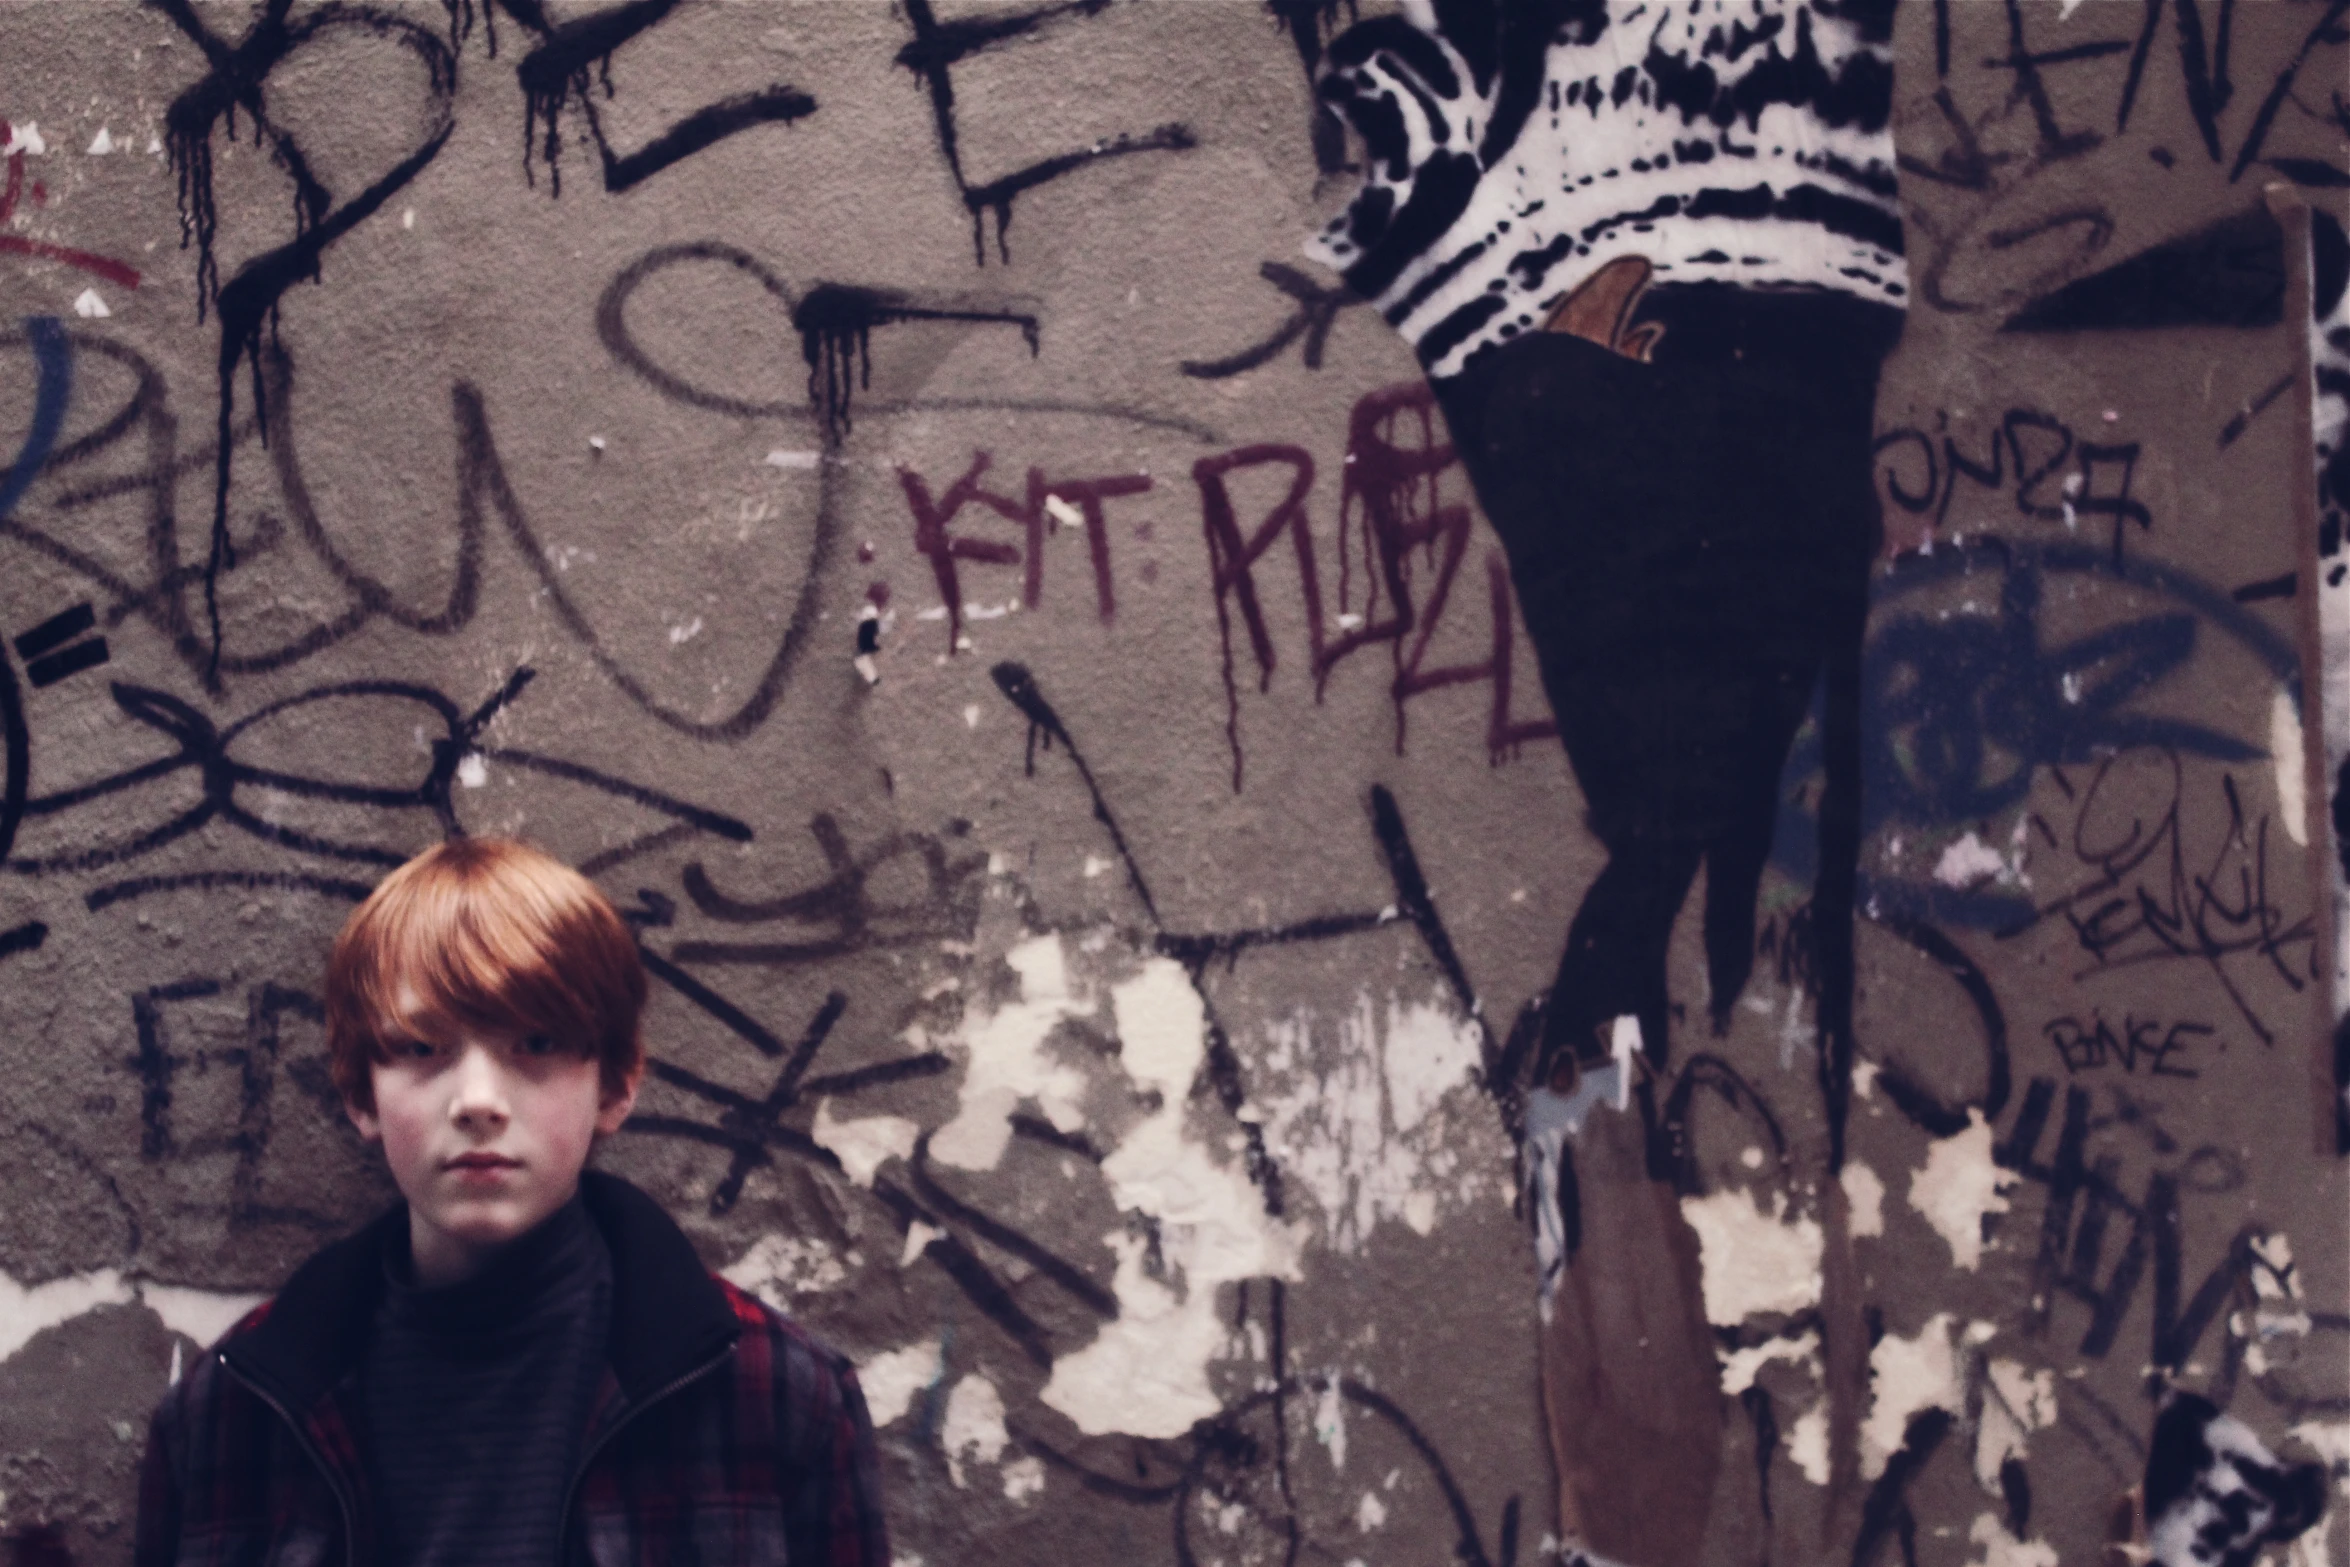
(668, 1315)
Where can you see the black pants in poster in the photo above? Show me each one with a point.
(1690, 540)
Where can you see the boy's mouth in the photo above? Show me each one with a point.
(484, 1161)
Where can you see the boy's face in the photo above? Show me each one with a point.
(486, 1133)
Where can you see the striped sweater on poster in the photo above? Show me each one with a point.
(1513, 147)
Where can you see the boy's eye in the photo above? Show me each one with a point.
(537, 1045)
(412, 1050)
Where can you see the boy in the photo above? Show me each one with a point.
(523, 1363)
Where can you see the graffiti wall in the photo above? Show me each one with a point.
(1501, 781)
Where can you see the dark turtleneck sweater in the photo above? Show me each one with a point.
(476, 1396)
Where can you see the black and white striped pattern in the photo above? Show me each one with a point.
(1514, 146)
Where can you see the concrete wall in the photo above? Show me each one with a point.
(1101, 1024)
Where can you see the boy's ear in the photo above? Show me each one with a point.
(613, 1108)
(370, 1127)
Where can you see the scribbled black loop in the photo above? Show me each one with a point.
(199, 745)
(613, 331)
(1911, 1097)
(250, 299)
(1677, 1149)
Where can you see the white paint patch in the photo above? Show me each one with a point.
(2328, 1441)
(971, 715)
(1968, 861)
(1063, 513)
(407, 217)
(2289, 763)
(779, 1267)
(1419, 1212)
(90, 305)
(892, 1378)
(473, 771)
(1330, 1424)
(682, 634)
(202, 1315)
(1959, 1187)
(1370, 1513)
(1739, 1366)
(1864, 1192)
(24, 138)
(864, 1145)
(1624, 1045)
(2001, 1549)
(1023, 1478)
(1907, 1376)
(27, 1312)
(102, 143)
(1753, 1261)
(1807, 1443)
(2018, 1402)
(1428, 1051)
(1008, 1062)
(918, 1239)
(1353, 1114)
(1094, 865)
(974, 1425)
(2279, 1321)
(1146, 1373)
(789, 461)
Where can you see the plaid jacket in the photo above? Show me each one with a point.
(722, 1435)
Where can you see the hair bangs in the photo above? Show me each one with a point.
(451, 962)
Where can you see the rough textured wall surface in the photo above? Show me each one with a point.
(882, 489)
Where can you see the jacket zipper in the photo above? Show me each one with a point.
(310, 1451)
(588, 1458)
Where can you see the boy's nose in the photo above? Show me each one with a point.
(480, 1096)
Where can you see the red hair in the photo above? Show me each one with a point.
(488, 933)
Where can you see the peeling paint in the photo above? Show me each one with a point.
(1023, 1478)
(1007, 1062)
(1807, 1443)
(2288, 762)
(863, 1146)
(1330, 1423)
(1908, 1376)
(1427, 1051)
(918, 1238)
(1354, 1110)
(1958, 1187)
(1754, 1261)
(1740, 1366)
(892, 1378)
(1146, 1373)
(2017, 1402)
(201, 1315)
(26, 1312)
(1864, 1192)
(1967, 861)
(2001, 1549)
(778, 1267)
(974, 1426)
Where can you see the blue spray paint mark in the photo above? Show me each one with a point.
(54, 356)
